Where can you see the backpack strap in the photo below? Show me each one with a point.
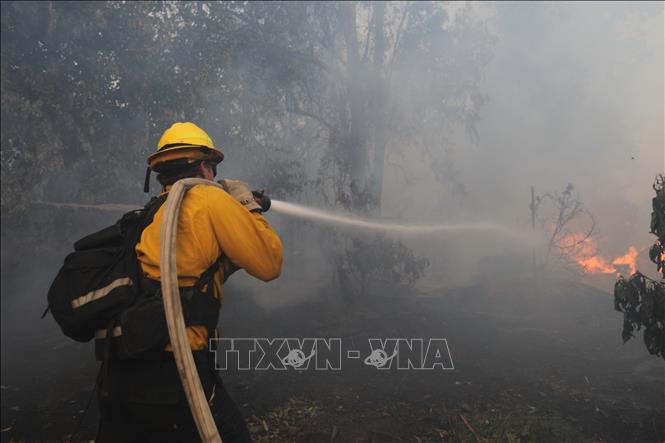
(106, 361)
(208, 276)
(147, 217)
(148, 213)
(201, 307)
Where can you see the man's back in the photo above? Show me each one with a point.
(211, 222)
(142, 399)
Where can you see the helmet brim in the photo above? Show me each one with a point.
(193, 152)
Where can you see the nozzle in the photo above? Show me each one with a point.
(261, 199)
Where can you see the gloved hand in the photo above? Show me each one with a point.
(241, 192)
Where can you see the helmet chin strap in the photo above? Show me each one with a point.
(146, 184)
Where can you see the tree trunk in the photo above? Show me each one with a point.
(379, 103)
(353, 140)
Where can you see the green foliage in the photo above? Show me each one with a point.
(657, 251)
(641, 299)
(87, 88)
(642, 302)
(303, 97)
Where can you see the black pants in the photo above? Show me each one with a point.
(143, 401)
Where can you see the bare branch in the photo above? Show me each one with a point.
(398, 35)
(295, 109)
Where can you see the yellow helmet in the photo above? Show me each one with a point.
(184, 141)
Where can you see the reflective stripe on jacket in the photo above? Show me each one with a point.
(211, 221)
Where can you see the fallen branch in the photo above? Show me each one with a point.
(469, 427)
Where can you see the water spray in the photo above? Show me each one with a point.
(351, 221)
(346, 220)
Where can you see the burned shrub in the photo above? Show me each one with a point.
(378, 266)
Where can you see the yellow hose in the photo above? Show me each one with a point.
(182, 351)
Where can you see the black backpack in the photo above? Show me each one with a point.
(102, 277)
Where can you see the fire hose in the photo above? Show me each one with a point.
(182, 351)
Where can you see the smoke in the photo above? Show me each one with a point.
(560, 93)
(576, 95)
(496, 98)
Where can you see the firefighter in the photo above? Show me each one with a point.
(142, 399)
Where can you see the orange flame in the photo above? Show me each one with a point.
(629, 260)
(584, 251)
(596, 265)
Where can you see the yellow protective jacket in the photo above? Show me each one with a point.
(211, 221)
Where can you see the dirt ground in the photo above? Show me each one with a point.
(533, 361)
